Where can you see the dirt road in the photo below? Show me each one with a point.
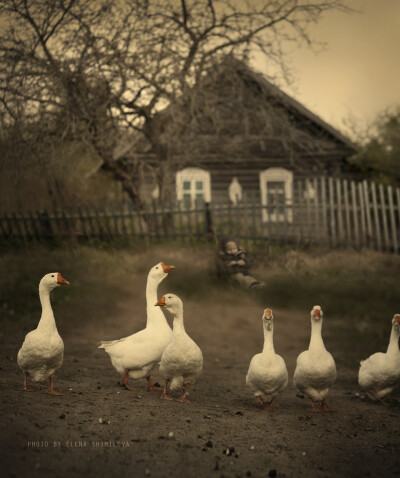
(100, 429)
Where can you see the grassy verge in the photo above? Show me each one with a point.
(361, 287)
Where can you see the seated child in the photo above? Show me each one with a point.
(236, 262)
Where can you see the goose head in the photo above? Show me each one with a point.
(160, 271)
(52, 280)
(316, 313)
(171, 302)
(268, 318)
(396, 323)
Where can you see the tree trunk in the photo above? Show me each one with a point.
(128, 180)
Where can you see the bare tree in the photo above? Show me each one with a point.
(101, 71)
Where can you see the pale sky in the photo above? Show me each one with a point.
(358, 74)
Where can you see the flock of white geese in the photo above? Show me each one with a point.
(181, 360)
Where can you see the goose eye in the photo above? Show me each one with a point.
(157, 267)
(52, 275)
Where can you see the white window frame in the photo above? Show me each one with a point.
(193, 175)
(281, 175)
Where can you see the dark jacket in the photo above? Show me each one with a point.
(241, 254)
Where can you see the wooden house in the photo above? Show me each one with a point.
(236, 133)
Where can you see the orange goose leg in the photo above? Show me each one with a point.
(324, 407)
(25, 388)
(51, 390)
(314, 408)
(372, 392)
(125, 380)
(151, 386)
(270, 405)
(183, 397)
(165, 395)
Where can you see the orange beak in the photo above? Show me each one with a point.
(166, 268)
(61, 280)
(161, 302)
(317, 313)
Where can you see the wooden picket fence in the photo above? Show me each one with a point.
(329, 211)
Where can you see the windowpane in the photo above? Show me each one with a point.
(186, 185)
(275, 195)
(187, 200)
(199, 185)
(199, 198)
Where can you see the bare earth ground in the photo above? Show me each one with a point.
(141, 435)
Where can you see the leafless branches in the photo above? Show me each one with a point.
(94, 70)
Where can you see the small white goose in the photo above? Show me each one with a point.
(267, 375)
(182, 360)
(380, 372)
(135, 356)
(42, 352)
(315, 371)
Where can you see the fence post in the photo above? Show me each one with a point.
(347, 212)
(384, 218)
(392, 218)
(122, 212)
(115, 220)
(324, 208)
(25, 223)
(368, 213)
(9, 225)
(332, 215)
(20, 235)
(355, 213)
(82, 222)
(253, 216)
(89, 217)
(339, 210)
(362, 210)
(316, 209)
(180, 218)
(208, 221)
(376, 217)
(3, 230)
(398, 202)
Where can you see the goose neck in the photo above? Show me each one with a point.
(47, 321)
(393, 347)
(316, 341)
(151, 290)
(155, 316)
(178, 325)
(268, 339)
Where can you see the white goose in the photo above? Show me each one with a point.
(182, 360)
(380, 372)
(135, 356)
(267, 375)
(42, 352)
(315, 369)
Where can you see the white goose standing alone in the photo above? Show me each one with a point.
(315, 371)
(267, 375)
(135, 356)
(182, 361)
(380, 372)
(42, 352)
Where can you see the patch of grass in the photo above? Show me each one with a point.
(94, 275)
(363, 287)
